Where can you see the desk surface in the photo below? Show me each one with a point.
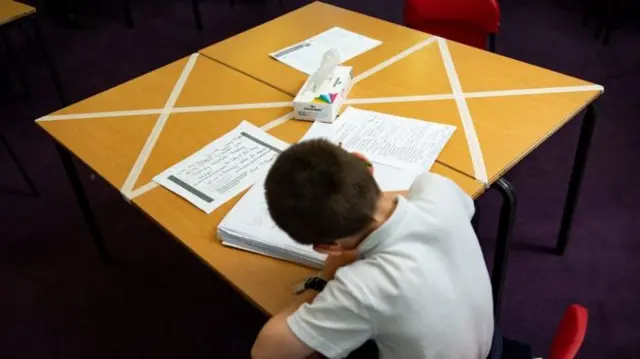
(248, 52)
(11, 10)
(111, 144)
(513, 106)
(508, 124)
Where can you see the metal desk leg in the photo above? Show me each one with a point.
(507, 217)
(195, 4)
(586, 133)
(23, 172)
(15, 62)
(53, 70)
(83, 201)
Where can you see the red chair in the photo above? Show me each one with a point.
(570, 333)
(470, 22)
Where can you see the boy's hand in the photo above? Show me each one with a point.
(336, 261)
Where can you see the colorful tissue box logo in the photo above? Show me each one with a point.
(326, 98)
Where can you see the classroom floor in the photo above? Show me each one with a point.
(59, 301)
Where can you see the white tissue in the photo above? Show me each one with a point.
(330, 60)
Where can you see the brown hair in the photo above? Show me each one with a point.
(317, 192)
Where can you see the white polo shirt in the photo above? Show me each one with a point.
(421, 289)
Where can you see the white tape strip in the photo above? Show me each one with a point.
(157, 129)
(243, 106)
(142, 190)
(249, 106)
(479, 169)
(394, 59)
(277, 122)
(81, 116)
(538, 91)
(361, 101)
(157, 111)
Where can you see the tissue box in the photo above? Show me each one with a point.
(323, 103)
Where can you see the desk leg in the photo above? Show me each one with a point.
(507, 217)
(195, 4)
(83, 201)
(16, 161)
(586, 133)
(14, 61)
(53, 70)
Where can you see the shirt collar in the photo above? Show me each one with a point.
(385, 231)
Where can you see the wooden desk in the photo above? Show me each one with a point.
(111, 144)
(508, 127)
(513, 107)
(249, 51)
(265, 281)
(11, 11)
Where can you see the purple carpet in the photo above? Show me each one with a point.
(159, 301)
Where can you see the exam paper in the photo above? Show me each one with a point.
(223, 168)
(249, 226)
(395, 141)
(306, 56)
(388, 178)
(396, 177)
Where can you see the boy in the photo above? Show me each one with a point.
(407, 273)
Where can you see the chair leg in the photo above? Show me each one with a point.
(195, 4)
(608, 22)
(30, 40)
(21, 169)
(53, 70)
(14, 62)
(128, 15)
(492, 42)
(500, 260)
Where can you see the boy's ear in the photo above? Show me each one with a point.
(334, 248)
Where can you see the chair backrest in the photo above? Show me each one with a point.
(482, 13)
(570, 333)
(465, 21)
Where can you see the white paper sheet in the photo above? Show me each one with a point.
(249, 221)
(306, 56)
(223, 168)
(400, 175)
(400, 142)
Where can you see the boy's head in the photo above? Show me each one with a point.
(319, 193)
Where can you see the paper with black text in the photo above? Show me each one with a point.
(306, 56)
(223, 168)
(400, 142)
(389, 178)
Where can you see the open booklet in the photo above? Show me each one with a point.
(399, 148)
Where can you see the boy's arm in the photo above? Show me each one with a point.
(276, 339)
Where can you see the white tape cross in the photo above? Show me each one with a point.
(157, 129)
(479, 169)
